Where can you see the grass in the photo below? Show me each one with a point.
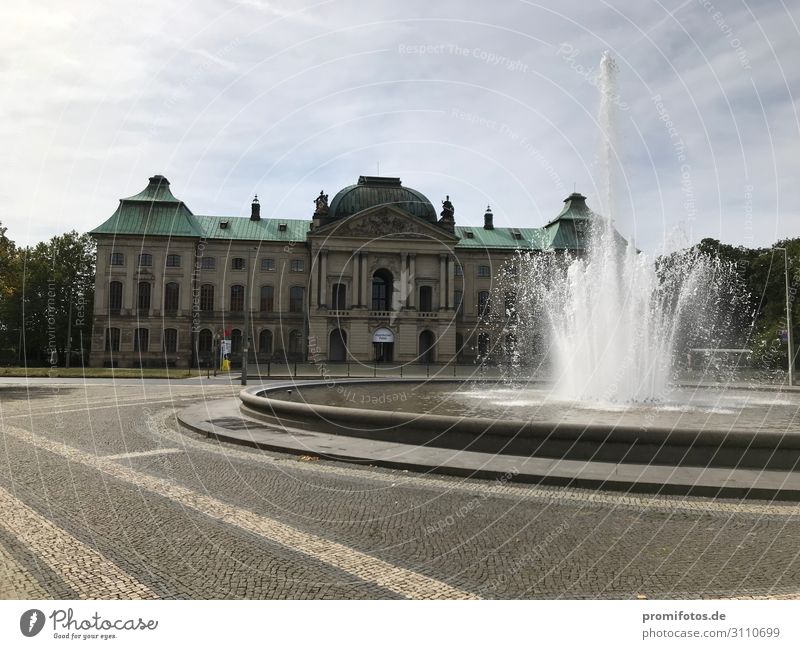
(99, 373)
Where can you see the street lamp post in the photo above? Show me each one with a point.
(246, 341)
(789, 337)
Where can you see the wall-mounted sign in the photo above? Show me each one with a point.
(382, 335)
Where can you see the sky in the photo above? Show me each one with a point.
(492, 103)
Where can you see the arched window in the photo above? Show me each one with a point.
(237, 297)
(141, 340)
(143, 299)
(117, 259)
(510, 303)
(171, 297)
(382, 286)
(426, 298)
(145, 259)
(296, 347)
(205, 341)
(115, 298)
(427, 348)
(483, 344)
(459, 346)
(112, 339)
(510, 345)
(267, 298)
(170, 340)
(207, 297)
(296, 299)
(265, 342)
(458, 302)
(236, 341)
(339, 297)
(483, 303)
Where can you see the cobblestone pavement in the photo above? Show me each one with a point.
(101, 496)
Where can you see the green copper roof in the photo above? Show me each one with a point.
(241, 228)
(575, 207)
(377, 190)
(156, 212)
(152, 212)
(569, 229)
(156, 190)
(502, 238)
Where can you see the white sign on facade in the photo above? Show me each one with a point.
(382, 335)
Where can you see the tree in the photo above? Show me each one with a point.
(54, 275)
(9, 285)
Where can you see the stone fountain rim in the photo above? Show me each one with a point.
(347, 417)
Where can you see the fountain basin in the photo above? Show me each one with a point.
(383, 414)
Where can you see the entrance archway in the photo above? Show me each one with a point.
(337, 346)
(383, 345)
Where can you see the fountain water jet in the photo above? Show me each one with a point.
(613, 317)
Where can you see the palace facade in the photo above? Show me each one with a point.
(374, 275)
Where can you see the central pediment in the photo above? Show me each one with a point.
(384, 221)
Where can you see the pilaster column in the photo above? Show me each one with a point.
(451, 277)
(442, 281)
(364, 293)
(323, 280)
(412, 278)
(314, 281)
(405, 280)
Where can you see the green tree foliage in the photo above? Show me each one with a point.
(38, 285)
(761, 270)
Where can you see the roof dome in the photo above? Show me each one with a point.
(372, 191)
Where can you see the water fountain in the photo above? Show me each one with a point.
(612, 326)
(612, 319)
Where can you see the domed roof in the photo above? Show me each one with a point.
(372, 191)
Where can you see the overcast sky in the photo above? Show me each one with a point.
(489, 102)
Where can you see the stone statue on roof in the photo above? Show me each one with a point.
(321, 203)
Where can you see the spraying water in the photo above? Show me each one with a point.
(609, 320)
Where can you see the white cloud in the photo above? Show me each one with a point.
(283, 100)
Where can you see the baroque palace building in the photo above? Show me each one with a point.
(374, 276)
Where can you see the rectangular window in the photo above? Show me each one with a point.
(208, 263)
(484, 271)
(145, 259)
(237, 263)
(298, 265)
(268, 264)
(117, 259)
(267, 298)
(115, 297)
(173, 261)
(459, 270)
(458, 299)
(296, 299)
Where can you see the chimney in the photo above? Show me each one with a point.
(488, 219)
(255, 210)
